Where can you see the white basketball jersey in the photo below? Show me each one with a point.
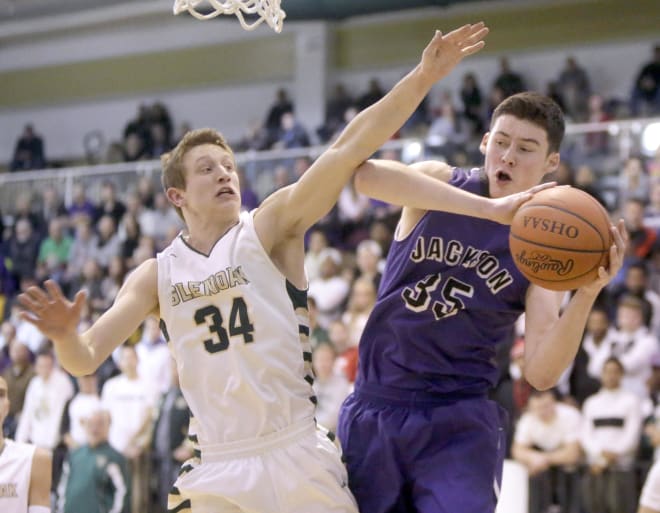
(239, 332)
(15, 471)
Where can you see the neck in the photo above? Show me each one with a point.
(203, 235)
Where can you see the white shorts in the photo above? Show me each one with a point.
(296, 470)
(650, 497)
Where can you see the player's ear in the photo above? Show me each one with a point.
(552, 162)
(484, 143)
(174, 195)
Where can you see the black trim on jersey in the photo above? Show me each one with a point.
(303, 330)
(298, 297)
(163, 329)
(197, 453)
(185, 469)
(214, 244)
(184, 505)
(175, 491)
(331, 436)
(309, 379)
(307, 356)
(193, 439)
(314, 400)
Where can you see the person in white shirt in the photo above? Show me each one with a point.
(611, 429)
(546, 441)
(154, 356)
(632, 344)
(25, 470)
(79, 409)
(331, 388)
(330, 289)
(45, 398)
(598, 334)
(131, 403)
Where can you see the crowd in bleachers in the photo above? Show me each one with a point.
(573, 451)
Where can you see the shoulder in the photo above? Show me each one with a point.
(41, 456)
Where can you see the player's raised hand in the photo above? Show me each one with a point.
(55, 316)
(504, 208)
(445, 51)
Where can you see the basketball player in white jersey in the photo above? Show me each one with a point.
(231, 295)
(25, 471)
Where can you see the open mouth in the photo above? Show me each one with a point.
(503, 176)
(225, 191)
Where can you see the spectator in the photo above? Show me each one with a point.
(649, 501)
(546, 441)
(317, 243)
(154, 357)
(329, 289)
(157, 222)
(652, 210)
(330, 388)
(473, 103)
(335, 108)
(508, 81)
(249, 198)
(633, 181)
(83, 247)
(18, 375)
(291, 134)
(317, 335)
(610, 434)
(170, 445)
(23, 251)
(585, 180)
(131, 401)
(130, 234)
(110, 205)
(597, 143)
(636, 283)
(109, 244)
(361, 301)
(52, 205)
(80, 205)
(642, 238)
(281, 106)
(632, 344)
(54, 251)
(373, 93)
(28, 152)
(95, 477)
(368, 260)
(79, 410)
(645, 100)
(575, 88)
(598, 336)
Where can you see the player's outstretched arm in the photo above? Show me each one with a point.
(552, 340)
(40, 479)
(58, 318)
(304, 203)
(422, 186)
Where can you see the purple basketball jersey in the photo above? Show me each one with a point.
(449, 294)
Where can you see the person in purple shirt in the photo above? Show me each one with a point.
(419, 433)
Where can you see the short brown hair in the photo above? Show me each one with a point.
(172, 162)
(538, 109)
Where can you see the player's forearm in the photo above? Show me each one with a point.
(75, 354)
(397, 184)
(552, 352)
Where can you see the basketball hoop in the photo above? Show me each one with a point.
(266, 10)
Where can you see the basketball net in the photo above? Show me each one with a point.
(266, 10)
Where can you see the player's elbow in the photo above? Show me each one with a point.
(540, 380)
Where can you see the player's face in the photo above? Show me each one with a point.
(517, 156)
(212, 187)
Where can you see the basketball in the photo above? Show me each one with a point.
(560, 238)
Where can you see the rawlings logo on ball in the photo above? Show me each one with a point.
(537, 262)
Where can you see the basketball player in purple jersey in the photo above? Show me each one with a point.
(418, 433)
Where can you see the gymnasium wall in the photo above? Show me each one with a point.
(72, 76)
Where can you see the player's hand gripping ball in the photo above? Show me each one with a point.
(560, 238)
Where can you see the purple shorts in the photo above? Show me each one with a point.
(422, 454)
